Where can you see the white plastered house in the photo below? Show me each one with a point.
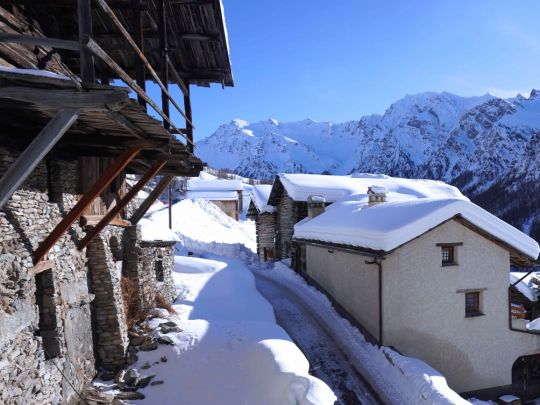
(428, 276)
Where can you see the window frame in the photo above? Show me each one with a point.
(453, 253)
(473, 306)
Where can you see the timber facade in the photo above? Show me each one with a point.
(265, 227)
(69, 240)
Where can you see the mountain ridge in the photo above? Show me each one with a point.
(485, 145)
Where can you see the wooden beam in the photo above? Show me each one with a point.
(103, 182)
(137, 27)
(189, 127)
(107, 218)
(41, 267)
(60, 98)
(164, 66)
(154, 195)
(93, 220)
(100, 53)
(40, 41)
(178, 79)
(84, 9)
(19, 171)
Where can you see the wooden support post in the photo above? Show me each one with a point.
(103, 182)
(107, 218)
(154, 195)
(41, 267)
(139, 41)
(189, 127)
(88, 74)
(19, 171)
(164, 55)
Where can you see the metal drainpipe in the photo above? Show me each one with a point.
(378, 261)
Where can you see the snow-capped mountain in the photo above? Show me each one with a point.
(487, 146)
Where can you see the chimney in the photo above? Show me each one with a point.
(376, 195)
(315, 205)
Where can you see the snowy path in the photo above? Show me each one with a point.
(327, 361)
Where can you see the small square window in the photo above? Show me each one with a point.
(448, 255)
(472, 304)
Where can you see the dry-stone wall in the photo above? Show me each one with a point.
(45, 319)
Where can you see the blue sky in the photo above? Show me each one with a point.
(338, 60)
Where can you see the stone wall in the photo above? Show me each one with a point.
(148, 265)
(45, 318)
(108, 306)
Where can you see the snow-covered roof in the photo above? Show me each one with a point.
(525, 286)
(300, 186)
(152, 232)
(386, 226)
(259, 195)
(213, 195)
(214, 185)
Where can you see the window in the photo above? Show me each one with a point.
(158, 267)
(447, 255)
(472, 304)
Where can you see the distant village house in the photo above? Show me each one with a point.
(265, 221)
(226, 194)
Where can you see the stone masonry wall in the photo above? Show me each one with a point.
(109, 316)
(149, 266)
(158, 260)
(45, 319)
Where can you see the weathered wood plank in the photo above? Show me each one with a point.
(108, 176)
(60, 98)
(39, 41)
(40, 267)
(35, 152)
(94, 220)
(145, 206)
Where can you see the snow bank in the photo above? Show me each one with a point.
(200, 224)
(259, 195)
(398, 379)
(388, 225)
(525, 286)
(332, 188)
(150, 231)
(230, 350)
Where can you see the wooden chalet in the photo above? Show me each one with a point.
(75, 120)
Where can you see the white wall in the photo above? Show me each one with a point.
(424, 315)
(349, 280)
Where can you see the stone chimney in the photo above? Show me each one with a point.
(315, 205)
(376, 195)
